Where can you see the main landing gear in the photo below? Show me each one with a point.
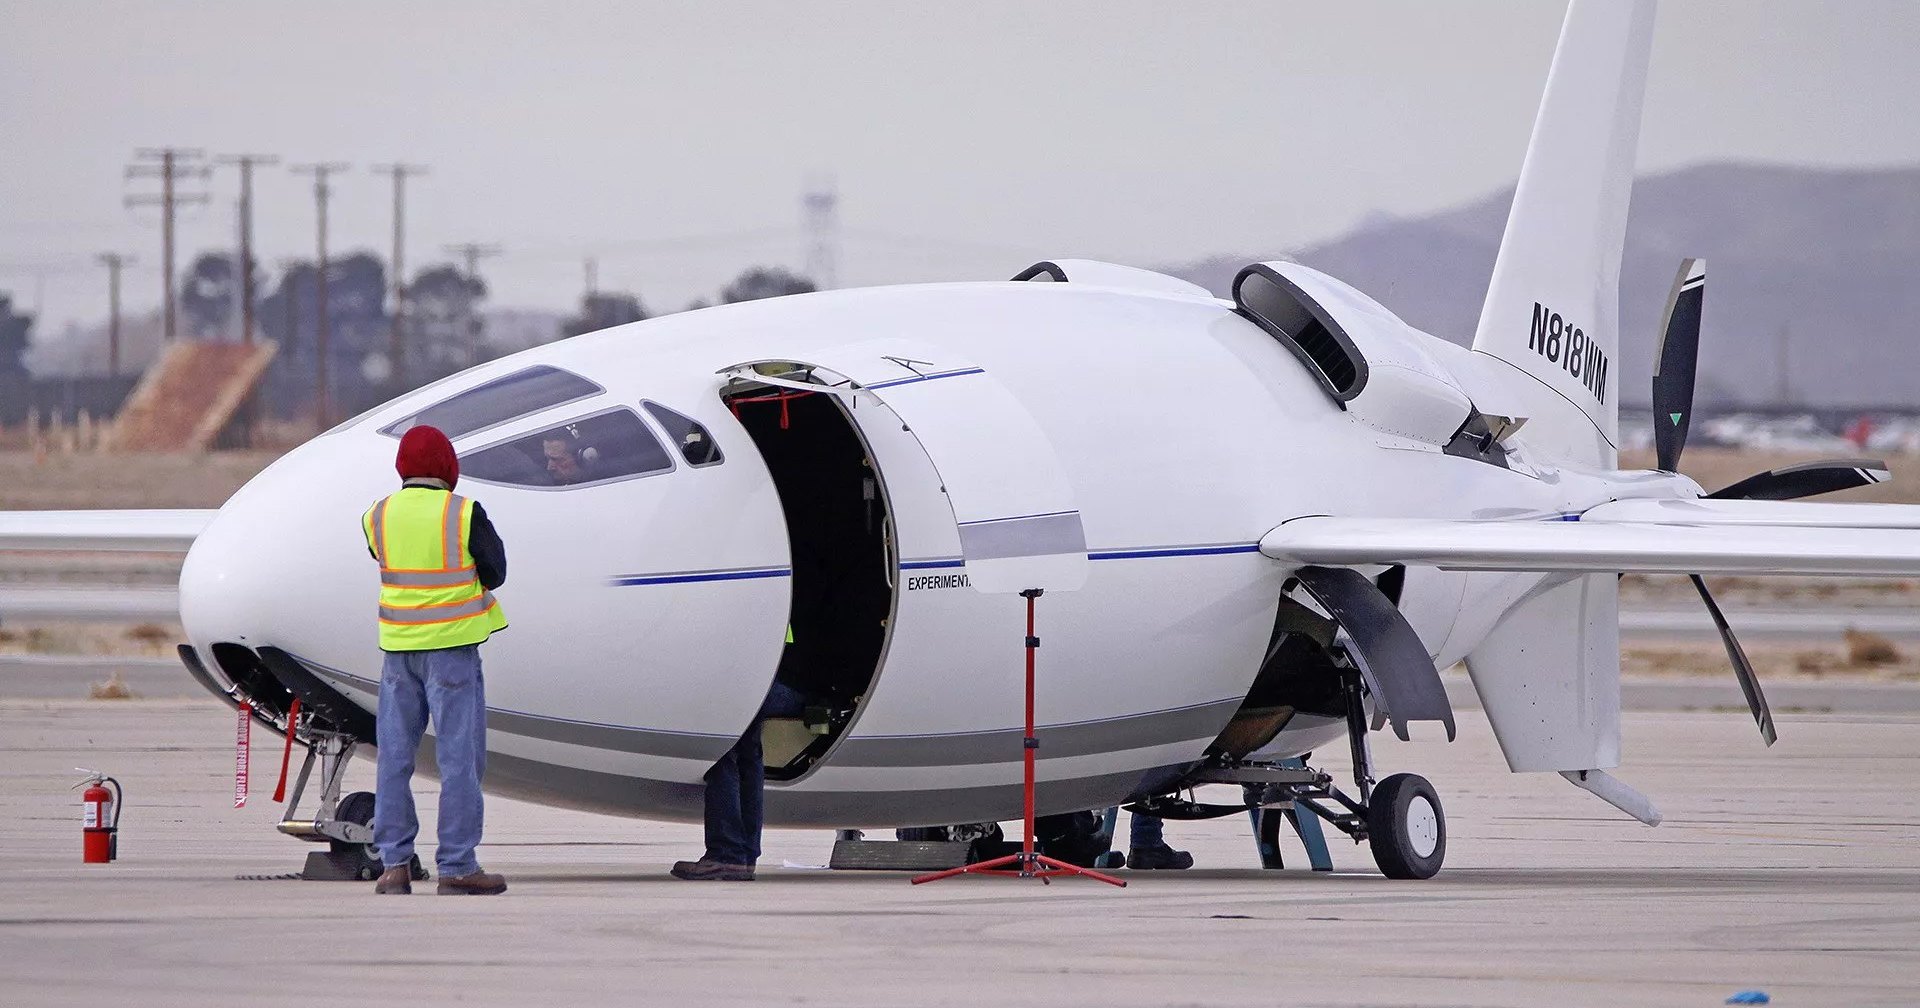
(1400, 817)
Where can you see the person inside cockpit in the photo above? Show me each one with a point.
(567, 462)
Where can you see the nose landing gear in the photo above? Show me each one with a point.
(345, 825)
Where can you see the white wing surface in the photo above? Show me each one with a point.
(160, 531)
(1793, 514)
(1883, 542)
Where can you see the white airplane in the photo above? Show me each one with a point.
(1264, 522)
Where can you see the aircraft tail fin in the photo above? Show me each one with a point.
(1553, 307)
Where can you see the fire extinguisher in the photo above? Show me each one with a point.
(99, 819)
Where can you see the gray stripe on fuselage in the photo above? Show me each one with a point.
(618, 794)
(1085, 738)
(612, 738)
(1036, 535)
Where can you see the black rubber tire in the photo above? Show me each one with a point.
(1406, 827)
(358, 808)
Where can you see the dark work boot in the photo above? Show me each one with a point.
(704, 870)
(1160, 856)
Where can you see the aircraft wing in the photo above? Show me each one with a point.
(1730, 537)
(160, 531)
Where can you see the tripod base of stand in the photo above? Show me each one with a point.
(1024, 864)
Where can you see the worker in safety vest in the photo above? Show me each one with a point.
(734, 798)
(440, 560)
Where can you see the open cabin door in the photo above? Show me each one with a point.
(1019, 523)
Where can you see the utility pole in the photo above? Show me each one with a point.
(320, 171)
(819, 206)
(246, 163)
(593, 276)
(176, 163)
(471, 253)
(288, 266)
(114, 262)
(396, 268)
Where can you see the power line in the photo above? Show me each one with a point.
(320, 171)
(114, 262)
(246, 163)
(175, 163)
(471, 253)
(399, 171)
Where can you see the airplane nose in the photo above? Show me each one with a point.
(285, 562)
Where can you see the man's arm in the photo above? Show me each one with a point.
(489, 553)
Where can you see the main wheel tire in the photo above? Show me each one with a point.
(1406, 827)
(358, 808)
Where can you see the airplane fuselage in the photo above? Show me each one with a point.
(648, 614)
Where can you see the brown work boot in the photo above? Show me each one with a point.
(704, 870)
(477, 884)
(395, 881)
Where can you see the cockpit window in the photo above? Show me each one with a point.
(505, 398)
(601, 448)
(696, 445)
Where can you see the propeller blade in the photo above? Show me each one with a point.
(1806, 479)
(1742, 668)
(1673, 365)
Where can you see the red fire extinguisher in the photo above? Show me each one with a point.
(99, 819)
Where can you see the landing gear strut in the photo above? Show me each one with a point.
(1399, 818)
(344, 825)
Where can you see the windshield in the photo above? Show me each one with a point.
(498, 401)
(595, 449)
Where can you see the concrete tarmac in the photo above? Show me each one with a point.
(1795, 871)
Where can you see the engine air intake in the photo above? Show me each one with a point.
(1276, 305)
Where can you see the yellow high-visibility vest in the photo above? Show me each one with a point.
(430, 592)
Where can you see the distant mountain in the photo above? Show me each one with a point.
(1825, 261)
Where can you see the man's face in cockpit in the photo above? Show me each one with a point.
(562, 464)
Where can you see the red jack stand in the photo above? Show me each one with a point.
(1027, 862)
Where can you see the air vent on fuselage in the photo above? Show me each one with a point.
(1273, 303)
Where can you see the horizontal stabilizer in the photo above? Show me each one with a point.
(117, 531)
(1611, 790)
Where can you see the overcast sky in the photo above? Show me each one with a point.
(965, 139)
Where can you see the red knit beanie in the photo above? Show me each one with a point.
(424, 451)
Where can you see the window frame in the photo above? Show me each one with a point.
(647, 406)
(412, 419)
(672, 456)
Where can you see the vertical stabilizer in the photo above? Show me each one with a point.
(1553, 308)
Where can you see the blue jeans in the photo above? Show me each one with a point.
(447, 684)
(735, 786)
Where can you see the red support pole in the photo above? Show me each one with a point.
(1031, 743)
(1028, 863)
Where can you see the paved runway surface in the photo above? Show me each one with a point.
(1795, 870)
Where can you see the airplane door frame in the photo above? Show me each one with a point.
(1017, 516)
